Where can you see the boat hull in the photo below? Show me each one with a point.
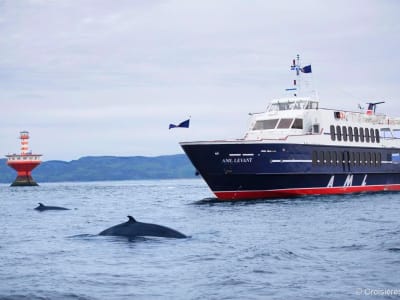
(246, 170)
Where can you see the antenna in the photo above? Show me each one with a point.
(296, 66)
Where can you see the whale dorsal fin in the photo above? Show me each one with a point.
(40, 204)
(131, 219)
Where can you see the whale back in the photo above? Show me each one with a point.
(132, 229)
(43, 207)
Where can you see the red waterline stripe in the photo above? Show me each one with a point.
(257, 194)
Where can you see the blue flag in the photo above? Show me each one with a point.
(184, 124)
(306, 69)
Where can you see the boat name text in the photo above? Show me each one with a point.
(237, 160)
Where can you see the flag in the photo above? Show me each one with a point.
(184, 124)
(306, 69)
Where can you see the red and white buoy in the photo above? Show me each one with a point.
(24, 162)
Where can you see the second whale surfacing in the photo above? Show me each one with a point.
(133, 228)
(43, 207)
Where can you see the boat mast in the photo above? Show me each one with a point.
(297, 81)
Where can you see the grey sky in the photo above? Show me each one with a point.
(107, 77)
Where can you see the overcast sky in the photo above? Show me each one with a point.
(106, 77)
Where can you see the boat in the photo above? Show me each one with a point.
(298, 148)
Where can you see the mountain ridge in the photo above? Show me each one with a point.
(104, 168)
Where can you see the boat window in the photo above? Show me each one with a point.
(311, 105)
(333, 137)
(350, 131)
(321, 157)
(339, 157)
(352, 158)
(334, 157)
(356, 137)
(280, 106)
(285, 123)
(327, 158)
(368, 158)
(314, 157)
(377, 135)
(372, 134)
(297, 124)
(386, 132)
(374, 159)
(283, 106)
(379, 159)
(265, 124)
(361, 134)
(315, 128)
(344, 128)
(363, 159)
(358, 158)
(396, 133)
(396, 158)
(345, 157)
(339, 133)
(366, 132)
(273, 107)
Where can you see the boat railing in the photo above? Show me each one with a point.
(362, 117)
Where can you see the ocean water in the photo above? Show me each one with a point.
(331, 247)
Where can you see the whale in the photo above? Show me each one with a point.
(43, 207)
(133, 228)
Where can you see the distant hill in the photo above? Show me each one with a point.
(101, 168)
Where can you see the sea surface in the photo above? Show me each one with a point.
(330, 247)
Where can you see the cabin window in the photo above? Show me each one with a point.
(345, 157)
(285, 123)
(366, 132)
(338, 133)
(356, 136)
(327, 158)
(350, 134)
(362, 135)
(311, 105)
(344, 128)
(315, 158)
(386, 133)
(265, 124)
(339, 157)
(377, 135)
(358, 159)
(368, 158)
(333, 137)
(334, 158)
(372, 135)
(374, 162)
(315, 128)
(396, 158)
(297, 124)
(321, 158)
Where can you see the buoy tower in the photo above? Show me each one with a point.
(24, 163)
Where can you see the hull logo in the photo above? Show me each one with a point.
(330, 183)
(348, 181)
(364, 182)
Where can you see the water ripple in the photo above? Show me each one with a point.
(300, 248)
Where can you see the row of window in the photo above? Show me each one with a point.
(335, 158)
(354, 134)
(283, 123)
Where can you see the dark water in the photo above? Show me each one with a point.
(336, 247)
